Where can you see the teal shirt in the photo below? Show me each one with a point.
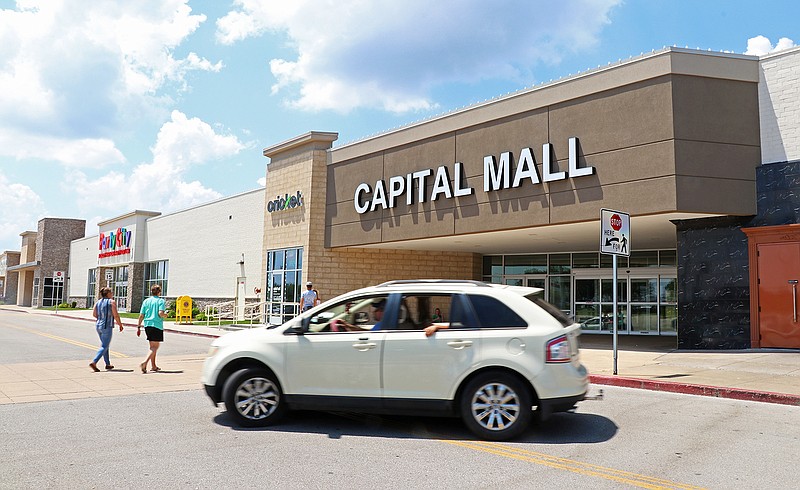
(150, 309)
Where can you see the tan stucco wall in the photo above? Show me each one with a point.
(675, 133)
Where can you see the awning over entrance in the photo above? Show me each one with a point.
(24, 267)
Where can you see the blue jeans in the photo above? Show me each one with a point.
(105, 342)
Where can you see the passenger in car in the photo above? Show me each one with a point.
(434, 327)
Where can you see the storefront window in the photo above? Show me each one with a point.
(585, 261)
(156, 273)
(667, 258)
(644, 258)
(607, 261)
(525, 264)
(558, 289)
(90, 286)
(492, 265)
(52, 292)
(560, 264)
(580, 285)
(284, 284)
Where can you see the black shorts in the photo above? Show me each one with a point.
(154, 334)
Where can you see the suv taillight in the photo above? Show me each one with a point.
(557, 350)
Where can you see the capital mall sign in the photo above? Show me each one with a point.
(116, 242)
(497, 175)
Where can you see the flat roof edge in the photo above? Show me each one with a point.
(297, 141)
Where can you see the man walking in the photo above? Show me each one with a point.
(309, 298)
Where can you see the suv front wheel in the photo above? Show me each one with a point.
(253, 397)
(496, 406)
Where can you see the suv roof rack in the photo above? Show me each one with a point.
(434, 281)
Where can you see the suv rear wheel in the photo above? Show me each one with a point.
(253, 397)
(496, 406)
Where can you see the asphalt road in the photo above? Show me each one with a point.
(633, 438)
(31, 338)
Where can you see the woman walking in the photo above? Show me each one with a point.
(105, 313)
(152, 315)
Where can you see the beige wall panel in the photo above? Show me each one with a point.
(419, 225)
(705, 159)
(358, 233)
(428, 153)
(344, 212)
(624, 165)
(709, 109)
(645, 197)
(343, 178)
(715, 195)
(503, 215)
(628, 116)
(526, 130)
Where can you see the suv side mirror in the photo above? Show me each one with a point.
(301, 328)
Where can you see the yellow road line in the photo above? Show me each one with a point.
(634, 479)
(68, 341)
(587, 469)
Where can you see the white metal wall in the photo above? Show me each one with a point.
(779, 110)
(204, 246)
(82, 257)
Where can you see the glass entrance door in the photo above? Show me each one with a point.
(119, 286)
(594, 303)
(528, 280)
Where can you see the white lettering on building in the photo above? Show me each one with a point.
(496, 176)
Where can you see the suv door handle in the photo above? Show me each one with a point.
(460, 344)
(364, 346)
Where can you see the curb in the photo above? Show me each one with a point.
(694, 389)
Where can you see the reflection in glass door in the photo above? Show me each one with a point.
(119, 286)
(594, 304)
(531, 281)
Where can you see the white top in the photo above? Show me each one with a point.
(309, 297)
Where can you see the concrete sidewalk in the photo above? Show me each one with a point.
(642, 362)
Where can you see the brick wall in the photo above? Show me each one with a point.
(779, 112)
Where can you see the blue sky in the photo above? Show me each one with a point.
(109, 106)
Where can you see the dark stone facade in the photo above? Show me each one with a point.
(713, 266)
(713, 284)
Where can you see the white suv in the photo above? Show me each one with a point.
(486, 352)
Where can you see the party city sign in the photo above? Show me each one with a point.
(285, 202)
(497, 175)
(116, 242)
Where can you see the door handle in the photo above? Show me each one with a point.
(364, 346)
(460, 344)
(793, 282)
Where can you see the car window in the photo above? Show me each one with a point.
(417, 311)
(559, 315)
(353, 315)
(491, 312)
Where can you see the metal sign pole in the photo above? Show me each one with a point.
(614, 312)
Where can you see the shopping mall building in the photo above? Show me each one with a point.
(702, 150)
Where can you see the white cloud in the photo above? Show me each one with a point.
(79, 152)
(163, 184)
(390, 55)
(760, 45)
(72, 71)
(19, 207)
(262, 181)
